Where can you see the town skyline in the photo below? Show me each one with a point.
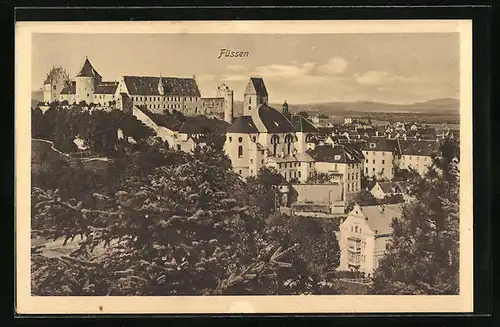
(325, 68)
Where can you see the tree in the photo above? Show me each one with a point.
(188, 227)
(263, 191)
(319, 178)
(423, 255)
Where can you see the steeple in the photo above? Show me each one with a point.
(161, 90)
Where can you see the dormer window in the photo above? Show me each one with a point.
(372, 145)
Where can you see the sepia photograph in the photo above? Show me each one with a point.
(218, 167)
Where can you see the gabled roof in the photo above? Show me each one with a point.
(69, 88)
(106, 88)
(335, 154)
(301, 124)
(243, 124)
(88, 70)
(54, 74)
(419, 148)
(274, 121)
(187, 125)
(256, 86)
(392, 187)
(172, 86)
(384, 145)
(378, 217)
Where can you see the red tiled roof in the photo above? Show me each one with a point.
(148, 85)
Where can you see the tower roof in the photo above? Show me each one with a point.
(88, 70)
(54, 74)
(256, 86)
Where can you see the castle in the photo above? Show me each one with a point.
(155, 93)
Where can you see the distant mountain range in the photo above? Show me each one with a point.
(444, 105)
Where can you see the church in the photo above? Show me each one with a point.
(264, 136)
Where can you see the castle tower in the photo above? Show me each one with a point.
(255, 95)
(55, 81)
(223, 91)
(86, 81)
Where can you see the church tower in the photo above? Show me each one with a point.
(86, 82)
(255, 95)
(223, 91)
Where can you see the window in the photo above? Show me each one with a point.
(240, 151)
(383, 161)
(348, 187)
(299, 174)
(366, 160)
(366, 170)
(294, 174)
(348, 176)
(178, 147)
(262, 161)
(335, 166)
(230, 139)
(239, 171)
(254, 138)
(373, 169)
(299, 164)
(285, 165)
(373, 161)
(251, 161)
(240, 139)
(357, 175)
(284, 174)
(249, 101)
(310, 164)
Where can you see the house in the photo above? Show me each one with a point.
(380, 157)
(382, 190)
(181, 133)
(342, 161)
(418, 155)
(363, 236)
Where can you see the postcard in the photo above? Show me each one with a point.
(244, 167)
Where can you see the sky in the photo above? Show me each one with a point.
(298, 68)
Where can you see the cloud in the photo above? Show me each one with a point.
(206, 77)
(377, 78)
(335, 65)
(237, 68)
(235, 77)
